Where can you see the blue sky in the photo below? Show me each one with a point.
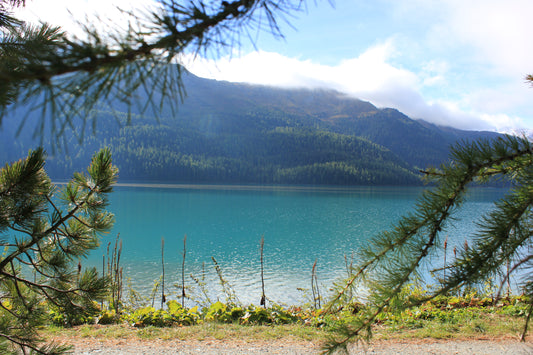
(452, 62)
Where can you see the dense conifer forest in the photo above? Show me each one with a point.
(238, 133)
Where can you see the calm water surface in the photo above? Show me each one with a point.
(299, 225)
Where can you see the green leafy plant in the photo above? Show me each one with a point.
(224, 313)
(175, 314)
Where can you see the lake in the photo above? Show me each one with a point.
(300, 225)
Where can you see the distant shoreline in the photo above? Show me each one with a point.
(253, 187)
(191, 186)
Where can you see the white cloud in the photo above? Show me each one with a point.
(499, 31)
(479, 51)
(489, 37)
(463, 65)
(363, 76)
(434, 73)
(259, 68)
(466, 64)
(369, 77)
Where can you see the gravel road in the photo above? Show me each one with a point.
(212, 347)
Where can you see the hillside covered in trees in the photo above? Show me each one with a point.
(237, 133)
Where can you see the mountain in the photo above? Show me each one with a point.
(239, 133)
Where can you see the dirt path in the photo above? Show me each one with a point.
(212, 347)
(466, 347)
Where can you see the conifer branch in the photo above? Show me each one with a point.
(394, 257)
(25, 203)
(23, 343)
(75, 75)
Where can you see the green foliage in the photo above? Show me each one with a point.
(69, 318)
(44, 231)
(446, 316)
(450, 311)
(108, 317)
(223, 313)
(393, 258)
(175, 314)
(218, 312)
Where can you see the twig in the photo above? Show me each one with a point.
(183, 271)
(163, 276)
(263, 298)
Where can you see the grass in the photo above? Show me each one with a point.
(478, 324)
(199, 332)
(444, 318)
(485, 325)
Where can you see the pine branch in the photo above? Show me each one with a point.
(395, 256)
(23, 343)
(34, 265)
(23, 249)
(25, 200)
(512, 270)
(75, 76)
(69, 62)
(38, 285)
(526, 323)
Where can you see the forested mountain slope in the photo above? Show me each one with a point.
(238, 133)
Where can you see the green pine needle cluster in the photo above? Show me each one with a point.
(64, 78)
(44, 231)
(394, 258)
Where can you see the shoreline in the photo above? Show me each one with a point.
(253, 187)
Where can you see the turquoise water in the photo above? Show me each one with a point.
(299, 225)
